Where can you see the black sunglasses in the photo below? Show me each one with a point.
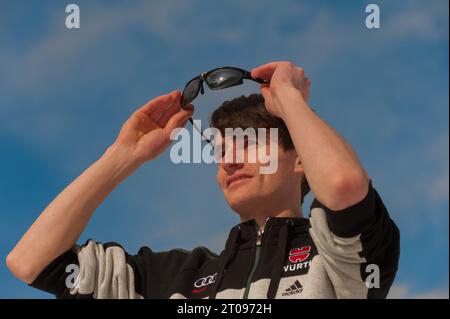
(216, 79)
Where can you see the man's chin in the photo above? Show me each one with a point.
(247, 205)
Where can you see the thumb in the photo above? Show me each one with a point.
(265, 91)
(179, 119)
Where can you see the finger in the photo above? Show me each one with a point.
(307, 89)
(265, 71)
(141, 121)
(158, 112)
(301, 71)
(153, 105)
(156, 104)
(162, 111)
(179, 119)
(175, 107)
(265, 91)
(168, 113)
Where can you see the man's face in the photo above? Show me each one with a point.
(250, 193)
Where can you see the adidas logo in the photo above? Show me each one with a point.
(294, 289)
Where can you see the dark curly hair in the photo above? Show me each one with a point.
(250, 112)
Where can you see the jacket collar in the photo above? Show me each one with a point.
(249, 228)
(243, 235)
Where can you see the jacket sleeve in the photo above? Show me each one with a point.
(359, 246)
(96, 270)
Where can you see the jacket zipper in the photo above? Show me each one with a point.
(256, 261)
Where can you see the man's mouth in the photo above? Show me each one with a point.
(237, 179)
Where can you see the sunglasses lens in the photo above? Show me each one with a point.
(224, 78)
(190, 92)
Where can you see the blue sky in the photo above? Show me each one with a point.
(64, 95)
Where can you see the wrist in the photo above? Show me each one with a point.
(119, 161)
(289, 99)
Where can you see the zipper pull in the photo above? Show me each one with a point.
(259, 237)
(261, 232)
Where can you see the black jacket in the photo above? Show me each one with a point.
(351, 253)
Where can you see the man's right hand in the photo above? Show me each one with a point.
(146, 134)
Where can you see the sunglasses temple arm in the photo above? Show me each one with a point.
(261, 81)
(248, 76)
(198, 130)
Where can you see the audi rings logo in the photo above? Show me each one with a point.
(205, 281)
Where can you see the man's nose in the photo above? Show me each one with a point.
(231, 160)
(232, 167)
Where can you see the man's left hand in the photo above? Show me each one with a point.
(285, 78)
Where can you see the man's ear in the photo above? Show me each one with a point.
(298, 166)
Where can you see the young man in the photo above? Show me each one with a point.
(347, 248)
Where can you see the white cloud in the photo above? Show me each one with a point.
(403, 291)
(58, 51)
(419, 20)
(325, 34)
(328, 35)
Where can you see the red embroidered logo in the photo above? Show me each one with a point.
(299, 254)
